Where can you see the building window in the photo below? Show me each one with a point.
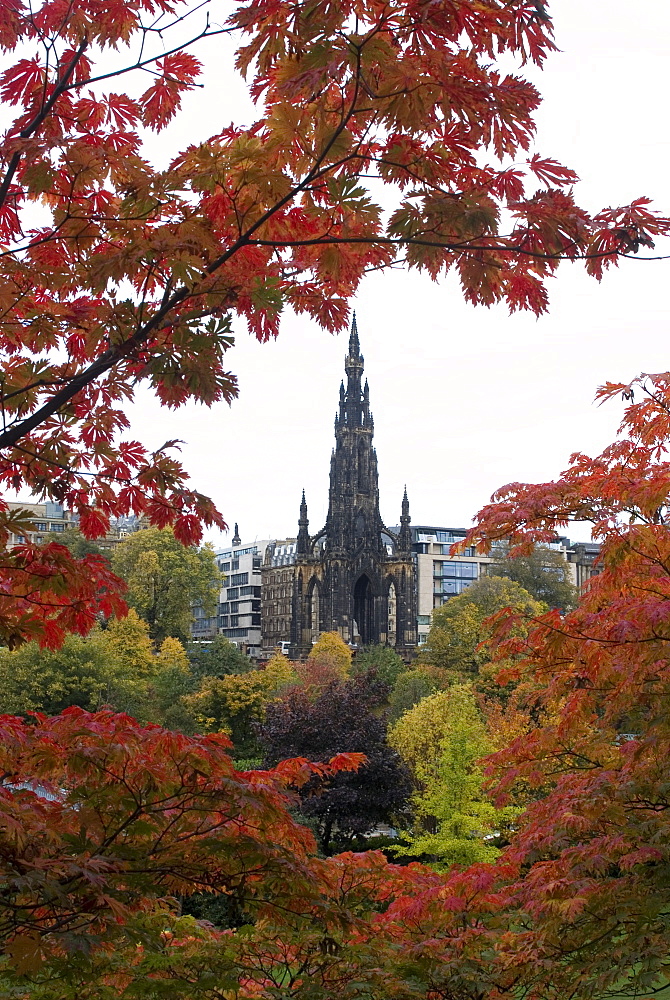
(455, 570)
(246, 590)
(224, 608)
(41, 525)
(57, 527)
(234, 607)
(232, 593)
(238, 578)
(223, 621)
(237, 633)
(234, 621)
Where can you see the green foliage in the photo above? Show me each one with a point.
(413, 686)
(458, 626)
(234, 704)
(417, 734)
(217, 658)
(83, 672)
(223, 911)
(173, 680)
(443, 740)
(79, 546)
(112, 667)
(545, 574)
(383, 661)
(165, 579)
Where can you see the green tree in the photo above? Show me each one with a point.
(413, 686)
(173, 680)
(217, 658)
(383, 661)
(79, 546)
(459, 626)
(84, 672)
(165, 579)
(545, 574)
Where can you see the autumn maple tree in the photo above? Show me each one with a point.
(590, 855)
(102, 820)
(116, 273)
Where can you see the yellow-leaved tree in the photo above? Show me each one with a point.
(172, 656)
(279, 673)
(443, 740)
(328, 663)
(331, 650)
(417, 735)
(235, 703)
(129, 640)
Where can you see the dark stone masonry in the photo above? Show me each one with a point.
(355, 576)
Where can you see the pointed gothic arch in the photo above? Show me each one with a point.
(364, 614)
(313, 608)
(391, 613)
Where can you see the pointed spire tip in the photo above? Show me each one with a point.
(354, 346)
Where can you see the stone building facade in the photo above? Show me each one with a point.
(277, 593)
(355, 576)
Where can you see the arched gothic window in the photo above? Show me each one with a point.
(392, 614)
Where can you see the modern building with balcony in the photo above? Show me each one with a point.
(238, 616)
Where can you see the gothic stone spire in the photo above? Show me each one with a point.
(303, 528)
(353, 514)
(404, 542)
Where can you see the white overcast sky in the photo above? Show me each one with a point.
(465, 399)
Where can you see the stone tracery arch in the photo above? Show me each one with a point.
(391, 613)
